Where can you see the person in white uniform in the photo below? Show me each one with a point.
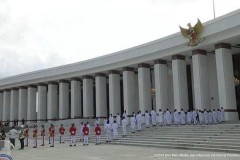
(124, 126)
(205, 116)
(160, 117)
(219, 116)
(139, 121)
(147, 118)
(118, 120)
(201, 118)
(168, 118)
(114, 130)
(153, 115)
(108, 130)
(194, 115)
(222, 114)
(133, 123)
(215, 117)
(183, 117)
(111, 119)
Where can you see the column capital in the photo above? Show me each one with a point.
(87, 77)
(22, 87)
(199, 51)
(128, 69)
(223, 45)
(42, 84)
(52, 82)
(160, 61)
(63, 81)
(6, 90)
(14, 88)
(114, 72)
(100, 75)
(178, 57)
(75, 79)
(144, 65)
(32, 86)
(1, 91)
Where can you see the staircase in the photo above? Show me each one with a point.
(216, 138)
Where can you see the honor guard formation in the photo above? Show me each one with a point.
(110, 126)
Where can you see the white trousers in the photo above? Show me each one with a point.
(85, 139)
(35, 142)
(73, 140)
(52, 141)
(97, 138)
(139, 124)
(62, 139)
(109, 137)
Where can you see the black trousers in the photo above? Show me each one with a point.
(22, 143)
(12, 140)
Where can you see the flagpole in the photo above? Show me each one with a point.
(214, 10)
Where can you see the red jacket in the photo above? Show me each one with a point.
(85, 130)
(35, 133)
(97, 130)
(72, 131)
(61, 130)
(51, 131)
(26, 132)
(43, 132)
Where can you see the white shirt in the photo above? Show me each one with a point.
(13, 133)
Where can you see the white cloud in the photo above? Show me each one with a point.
(37, 34)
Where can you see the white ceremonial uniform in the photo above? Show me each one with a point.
(215, 117)
(147, 117)
(183, 118)
(222, 115)
(194, 113)
(201, 118)
(210, 117)
(160, 118)
(124, 115)
(139, 122)
(219, 116)
(133, 123)
(175, 117)
(189, 117)
(168, 118)
(108, 130)
(111, 120)
(118, 120)
(115, 131)
(124, 126)
(153, 114)
(81, 131)
(205, 117)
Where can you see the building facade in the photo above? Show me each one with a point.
(200, 77)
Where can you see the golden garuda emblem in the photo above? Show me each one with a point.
(192, 33)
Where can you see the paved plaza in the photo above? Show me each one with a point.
(114, 152)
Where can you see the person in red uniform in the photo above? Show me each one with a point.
(35, 131)
(73, 131)
(52, 134)
(85, 134)
(98, 133)
(43, 135)
(61, 133)
(49, 137)
(26, 134)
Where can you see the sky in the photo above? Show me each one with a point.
(39, 34)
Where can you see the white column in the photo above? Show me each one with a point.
(129, 90)
(114, 93)
(42, 102)
(87, 96)
(144, 87)
(161, 84)
(180, 82)
(63, 99)
(213, 86)
(31, 103)
(52, 101)
(76, 98)
(200, 76)
(6, 105)
(22, 112)
(14, 105)
(1, 105)
(101, 95)
(226, 87)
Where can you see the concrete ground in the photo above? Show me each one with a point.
(113, 152)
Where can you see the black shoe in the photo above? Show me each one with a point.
(74, 144)
(63, 142)
(70, 145)
(51, 146)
